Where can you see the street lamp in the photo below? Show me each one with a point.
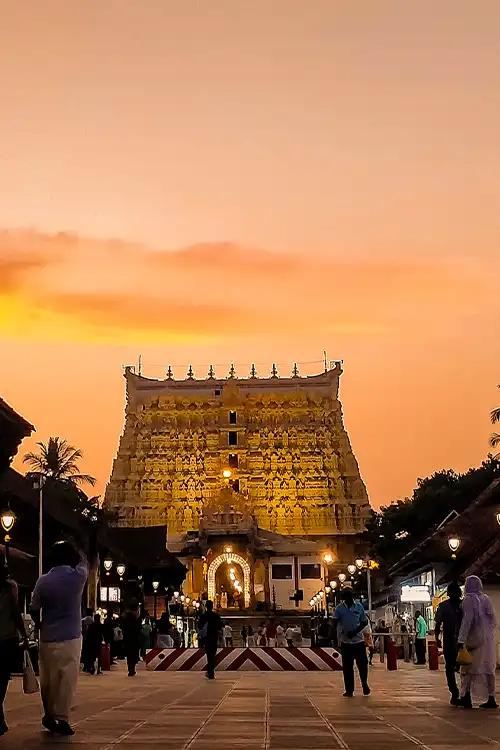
(351, 569)
(328, 558)
(342, 577)
(359, 563)
(108, 564)
(8, 519)
(39, 485)
(120, 569)
(454, 543)
(156, 586)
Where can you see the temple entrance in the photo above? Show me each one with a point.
(229, 586)
(229, 581)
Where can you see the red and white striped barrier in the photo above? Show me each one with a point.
(312, 659)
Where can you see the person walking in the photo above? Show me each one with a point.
(228, 635)
(56, 607)
(146, 632)
(477, 635)
(352, 620)
(93, 640)
(11, 627)
(289, 636)
(108, 627)
(421, 631)
(131, 625)
(244, 634)
(448, 619)
(210, 625)
(250, 637)
(369, 644)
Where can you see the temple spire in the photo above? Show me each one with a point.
(211, 372)
(232, 371)
(253, 372)
(190, 373)
(295, 371)
(170, 374)
(274, 371)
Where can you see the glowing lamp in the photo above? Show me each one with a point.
(8, 519)
(120, 569)
(342, 577)
(108, 564)
(454, 543)
(351, 569)
(328, 558)
(359, 562)
(227, 473)
(156, 586)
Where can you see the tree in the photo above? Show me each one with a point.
(58, 460)
(495, 438)
(395, 529)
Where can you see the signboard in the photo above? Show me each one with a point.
(415, 594)
(110, 594)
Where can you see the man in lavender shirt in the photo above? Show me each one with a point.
(58, 596)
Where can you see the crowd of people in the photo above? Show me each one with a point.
(465, 628)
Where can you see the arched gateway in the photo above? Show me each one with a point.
(229, 557)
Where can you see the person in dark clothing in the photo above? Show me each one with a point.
(11, 627)
(108, 628)
(94, 638)
(131, 625)
(448, 619)
(210, 625)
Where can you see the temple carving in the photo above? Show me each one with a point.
(282, 440)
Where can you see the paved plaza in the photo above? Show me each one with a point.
(258, 711)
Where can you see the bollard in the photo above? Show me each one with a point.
(392, 655)
(105, 657)
(433, 655)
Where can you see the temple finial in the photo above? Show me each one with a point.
(170, 374)
(190, 373)
(274, 371)
(211, 372)
(232, 371)
(295, 372)
(253, 372)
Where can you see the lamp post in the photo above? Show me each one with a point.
(342, 577)
(8, 519)
(156, 586)
(360, 563)
(351, 569)
(39, 484)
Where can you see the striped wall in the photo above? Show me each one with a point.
(245, 659)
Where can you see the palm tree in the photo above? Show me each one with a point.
(495, 438)
(59, 461)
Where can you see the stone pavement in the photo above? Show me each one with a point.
(258, 711)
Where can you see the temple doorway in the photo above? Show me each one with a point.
(229, 586)
(229, 581)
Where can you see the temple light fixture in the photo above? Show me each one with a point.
(359, 562)
(120, 569)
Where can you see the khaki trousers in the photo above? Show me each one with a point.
(59, 667)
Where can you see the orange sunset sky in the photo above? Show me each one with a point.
(254, 181)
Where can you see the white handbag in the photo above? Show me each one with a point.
(30, 683)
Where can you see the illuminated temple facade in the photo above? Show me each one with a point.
(292, 487)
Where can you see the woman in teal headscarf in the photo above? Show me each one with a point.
(477, 634)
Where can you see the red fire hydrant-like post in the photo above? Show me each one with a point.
(433, 655)
(392, 655)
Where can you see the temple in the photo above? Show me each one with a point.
(253, 479)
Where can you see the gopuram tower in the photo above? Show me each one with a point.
(281, 445)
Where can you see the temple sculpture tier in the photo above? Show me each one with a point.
(283, 440)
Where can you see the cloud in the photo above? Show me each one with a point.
(82, 287)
